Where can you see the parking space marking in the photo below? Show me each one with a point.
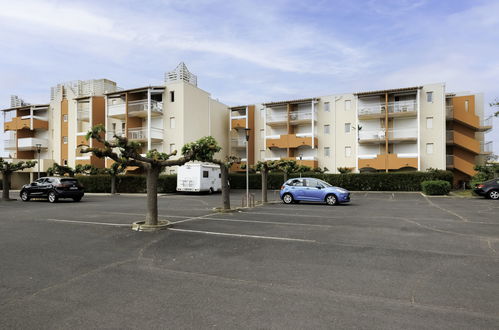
(263, 222)
(159, 215)
(243, 235)
(91, 223)
(444, 209)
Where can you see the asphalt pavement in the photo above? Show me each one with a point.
(384, 261)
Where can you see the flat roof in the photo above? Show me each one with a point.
(291, 101)
(26, 107)
(383, 91)
(138, 89)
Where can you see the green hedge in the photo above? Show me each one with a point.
(126, 183)
(392, 181)
(436, 187)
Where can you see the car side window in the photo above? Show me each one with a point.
(314, 183)
(297, 183)
(39, 181)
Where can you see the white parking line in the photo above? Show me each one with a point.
(91, 223)
(243, 235)
(263, 222)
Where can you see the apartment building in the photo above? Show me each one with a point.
(163, 117)
(410, 128)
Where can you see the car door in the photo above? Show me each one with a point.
(297, 187)
(45, 186)
(35, 188)
(314, 190)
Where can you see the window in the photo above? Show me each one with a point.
(123, 126)
(347, 127)
(262, 113)
(297, 183)
(65, 139)
(114, 127)
(313, 183)
(326, 151)
(429, 96)
(348, 151)
(429, 122)
(327, 129)
(326, 107)
(206, 174)
(172, 96)
(65, 162)
(348, 105)
(65, 118)
(262, 134)
(466, 105)
(172, 147)
(172, 122)
(429, 148)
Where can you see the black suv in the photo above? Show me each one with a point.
(488, 189)
(53, 188)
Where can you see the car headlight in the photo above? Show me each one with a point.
(341, 190)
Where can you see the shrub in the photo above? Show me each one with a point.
(436, 187)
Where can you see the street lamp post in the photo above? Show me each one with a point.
(38, 149)
(247, 132)
(301, 156)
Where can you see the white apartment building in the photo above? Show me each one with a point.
(410, 128)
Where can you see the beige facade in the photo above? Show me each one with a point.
(387, 130)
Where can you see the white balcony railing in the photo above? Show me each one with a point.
(116, 109)
(31, 143)
(282, 116)
(141, 133)
(487, 121)
(371, 135)
(238, 142)
(304, 134)
(410, 133)
(9, 144)
(487, 146)
(141, 106)
(110, 135)
(276, 117)
(407, 155)
(393, 107)
(272, 137)
(83, 111)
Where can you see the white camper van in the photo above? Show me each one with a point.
(199, 177)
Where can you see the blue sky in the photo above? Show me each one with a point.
(252, 51)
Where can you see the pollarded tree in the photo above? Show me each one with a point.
(113, 171)
(128, 153)
(60, 170)
(7, 168)
(290, 166)
(225, 164)
(264, 168)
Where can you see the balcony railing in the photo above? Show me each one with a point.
(393, 107)
(238, 142)
(110, 135)
(411, 133)
(449, 160)
(9, 144)
(141, 133)
(488, 121)
(487, 147)
(31, 143)
(293, 116)
(449, 111)
(141, 105)
(116, 109)
(276, 117)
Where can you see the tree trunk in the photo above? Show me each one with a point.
(264, 173)
(6, 186)
(113, 184)
(152, 195)
(225, 186)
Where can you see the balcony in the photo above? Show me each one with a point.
(463, 141)
(116, 110)
(26, 122)
(394, 135)
(83, 112)
(140, 134)
(389, 161)
(309, 161)
(486, 124)
(238, 121)
(290, 140)
(110, 135)
(486, 147)
(449, 161)
(295, 118)
(138, 108)
(238, 143)
(454, 162)
(26, 144)
(449, 111)
(9, 144)
(395, 109)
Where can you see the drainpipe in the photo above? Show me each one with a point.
(149, 119)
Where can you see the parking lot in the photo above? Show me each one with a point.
(386, 260)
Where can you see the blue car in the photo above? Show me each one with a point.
(312, 190)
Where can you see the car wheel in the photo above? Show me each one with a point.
(331, 199)
(77, 199)
(52, 197)
(24, 196)
(287, 199)
(493, 194)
